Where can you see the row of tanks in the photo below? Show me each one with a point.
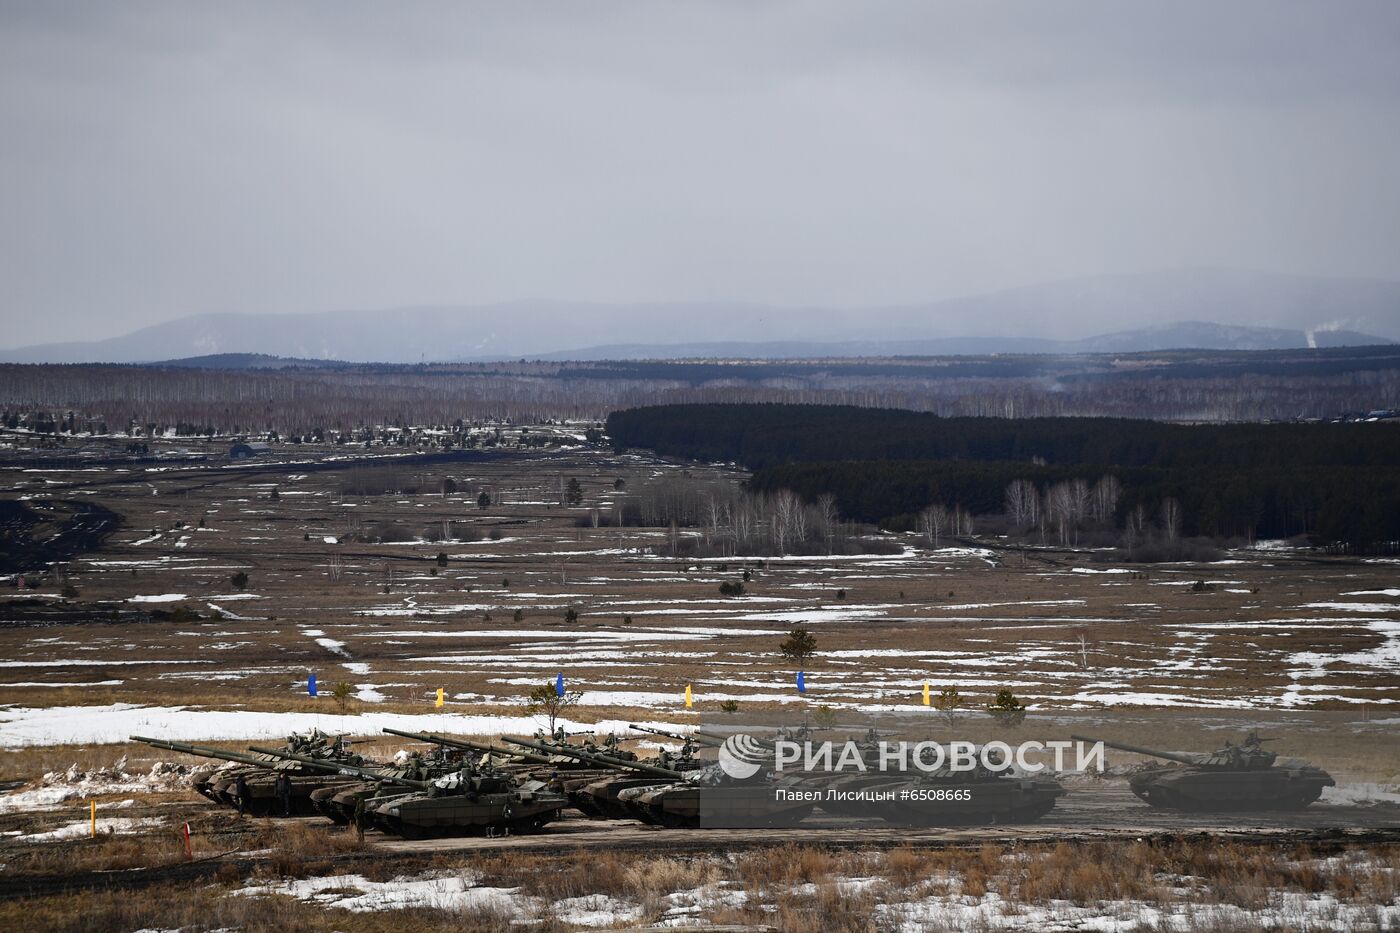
(467, 787)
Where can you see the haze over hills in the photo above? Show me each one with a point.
(1197, 308)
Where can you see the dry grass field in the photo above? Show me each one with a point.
(1265, 628)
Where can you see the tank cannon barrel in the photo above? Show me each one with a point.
(335, 767)
(719, 740)
(204, 752)
(1139, 750)
(603, 760)
(698, 738)
(453, 742)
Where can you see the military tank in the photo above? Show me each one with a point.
(470, 800)
(706, 797)
(596, 795)
(218, 785)
(1233, 777)
(977, 796)
(260, 774)
(338, 802)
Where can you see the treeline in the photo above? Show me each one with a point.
(719, 520)
(1338, 483)
(342, 398)
(758, 436)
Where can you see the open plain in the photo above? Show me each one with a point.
(193, 598)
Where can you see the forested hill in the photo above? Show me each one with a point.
(759, 436)
(1339, 483)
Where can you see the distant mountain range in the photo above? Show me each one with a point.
(1195, 335)
(1168, 310)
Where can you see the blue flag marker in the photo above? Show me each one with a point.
(801, 682)
(311, 685)
(559, 684)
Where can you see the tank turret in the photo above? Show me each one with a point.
(1242, 777)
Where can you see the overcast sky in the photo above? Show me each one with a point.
(160, 160)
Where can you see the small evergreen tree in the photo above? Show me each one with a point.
(799, 646)
(1007, 709)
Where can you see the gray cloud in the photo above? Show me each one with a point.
(163, 159)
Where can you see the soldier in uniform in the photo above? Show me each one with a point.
(359, 820)
(284, 792)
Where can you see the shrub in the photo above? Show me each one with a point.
(799, 645)
(239, 580)
(1008, 710)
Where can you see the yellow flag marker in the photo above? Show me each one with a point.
(93, 804)
(689, 701)
(439, 698)
(926, 699)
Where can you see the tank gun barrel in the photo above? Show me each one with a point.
(698, 738)
(603, 760)
(204, 752)
(1139, 750)
(719, 740)
(453, 742)
(335, 767)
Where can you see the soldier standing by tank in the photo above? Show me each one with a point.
(240, 790)
(359, 820)
(284, 793)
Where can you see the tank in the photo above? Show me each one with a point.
(218, 785)
(1234, 777)
(468, 801)
(337, 802)
(260, 774)
(944, 797)
(703, 798)
(596, 794)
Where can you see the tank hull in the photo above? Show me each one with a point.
(262, 792)
(419, 816)
(1205, 790)
(974, 803)
(600, 798)
(722, 806)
